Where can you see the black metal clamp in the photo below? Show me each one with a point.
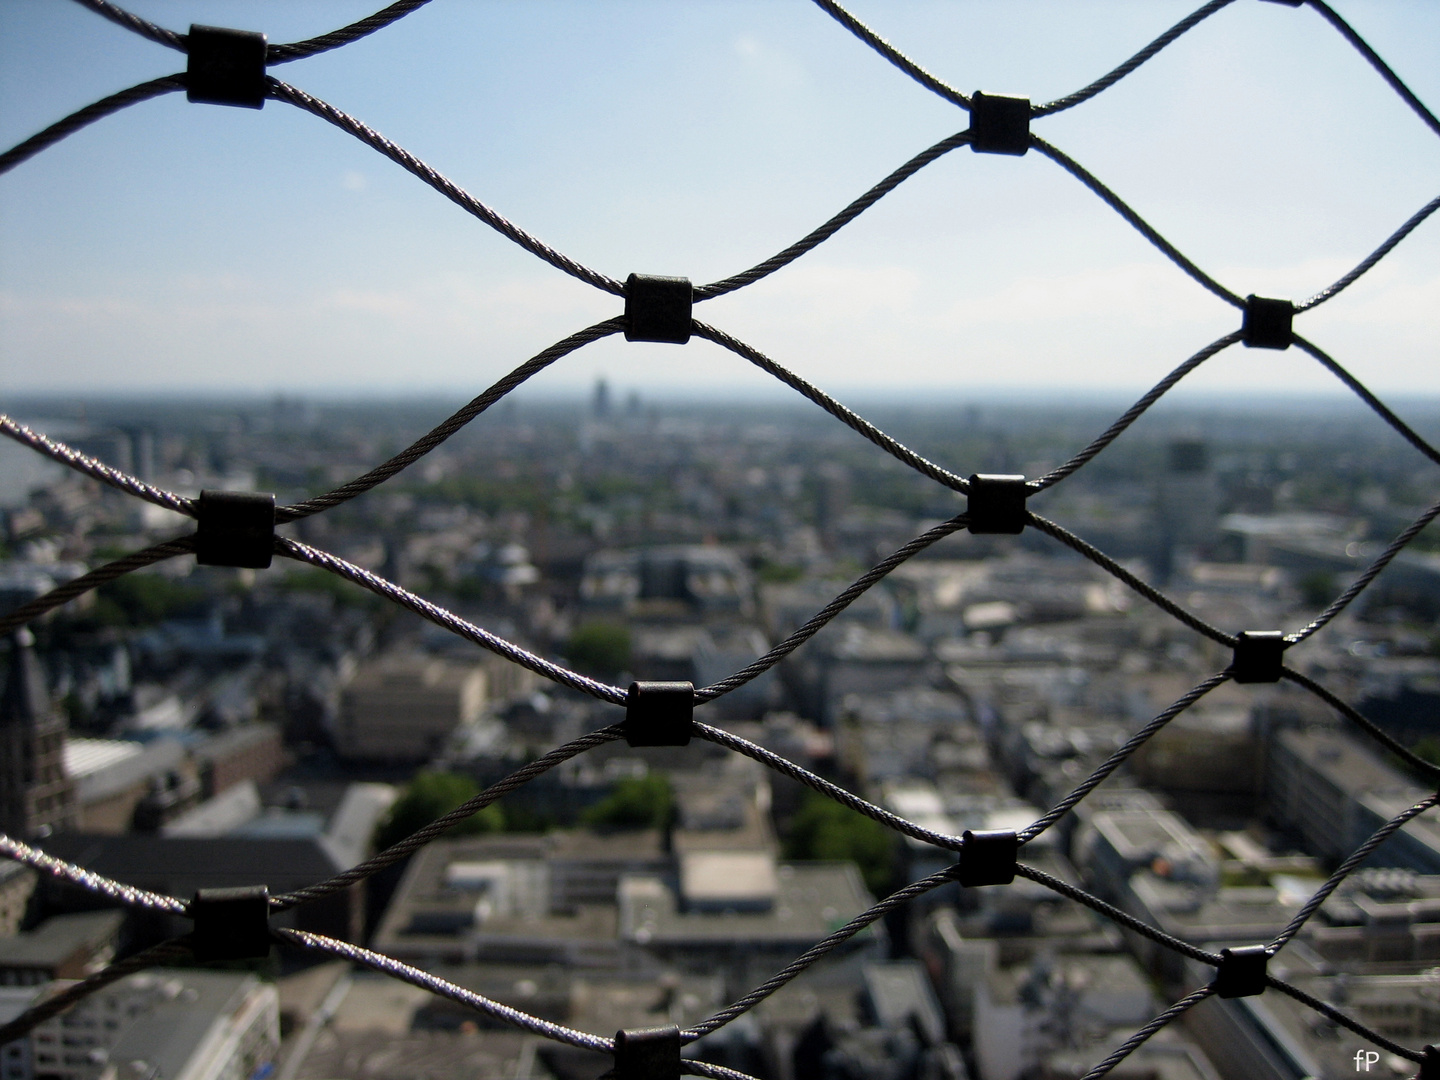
(1430, 1067)
(648, 1053)
(230, 924)
(235, 528)
(658, 308)
(225, 67)
(659, 713)
(1258, 656)
(1267, 323)
(996, 504)
(999, 124)
(1242, 971)
(987, 858)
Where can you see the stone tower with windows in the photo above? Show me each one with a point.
(36, 794)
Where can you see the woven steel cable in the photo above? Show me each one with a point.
(23, 151)
(1341, 602)
(63, 594)
(94, 468)
(852, 420)
(274, 54)
(1374, 257)
(422, 836)
(293, 549)
(281, 91)
(1118, 758)
(786, 767)
(115, 891)
(894, 55)
(818, 951)
(1133, 1043)
(1363, 48)
(1326, 1009)
(1361, 391)
(1148, 591)
(816, 622)
(437, 435)
(134, 23)
(128, 895)
(155, 956)
(836, 223)
(1069, 101)
(1356, 857)
(1116, 915)
(1134, 413)
(283, 54)
(1355, 716)
(397, 969)
(1143, 227)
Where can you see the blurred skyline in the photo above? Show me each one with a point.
(200, 249)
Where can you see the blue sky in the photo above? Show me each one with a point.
(192, 248)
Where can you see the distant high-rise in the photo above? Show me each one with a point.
(1187, 504)
(36, 794)
(600, 404)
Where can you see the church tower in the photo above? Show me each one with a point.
(36, 795)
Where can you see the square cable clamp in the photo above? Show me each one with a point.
(987, 858)
(235, 528)
(1259, 655)
(1242, 971)
(659, 713)
(658, 308)
(995, 504)
(231, 924)
(999, 124)
(648, 1053)
(1267, 323)
(225, 67)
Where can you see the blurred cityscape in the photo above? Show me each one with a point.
(189, 727)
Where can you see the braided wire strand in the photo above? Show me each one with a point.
(131, 896)
(422, 836)
(1130, 1045)
(1426, 768)
(1184, 26)
(98, 884)
(1358, 856)
(63, 594)
(437, 435)
(94, 468)
(1361, 391)
(1371, 572)
(1143, 227)
(1118, 758)
(397, 969)
(123, 99)
(298, 50)
(155, 956)
(821, 618)
(1375, 61)
(293, 549)
(135, 24)
(281, 91)
(816, 952)
(894, 55)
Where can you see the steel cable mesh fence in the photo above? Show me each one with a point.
(997, 125)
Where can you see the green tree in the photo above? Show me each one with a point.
(144, 600)
(1318, 588)
(1428, 749)
(427, 797)
(600, 649)
(823, 829)
(636, 803)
